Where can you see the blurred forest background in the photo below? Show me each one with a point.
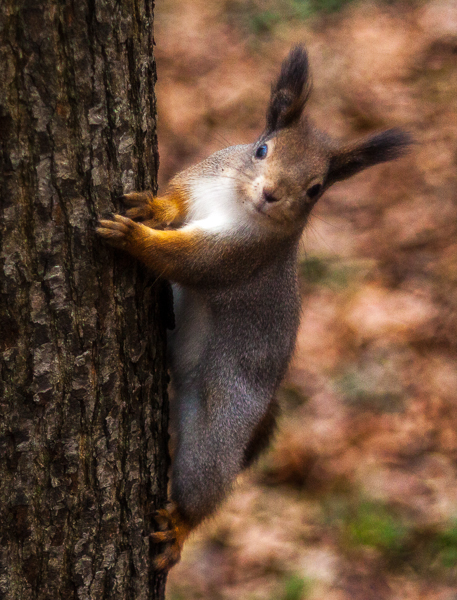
(357, 497)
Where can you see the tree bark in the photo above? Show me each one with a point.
(83, 423)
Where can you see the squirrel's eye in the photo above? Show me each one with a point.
(261, 151)
(314, 191)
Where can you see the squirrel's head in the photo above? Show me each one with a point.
(293, 163)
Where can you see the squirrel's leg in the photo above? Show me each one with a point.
(184, 255)
(156, 211)
(213, 435)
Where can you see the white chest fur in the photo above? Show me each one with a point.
(214, 205)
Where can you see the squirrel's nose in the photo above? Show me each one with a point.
(268, 196)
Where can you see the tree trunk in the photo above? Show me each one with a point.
(83, 436)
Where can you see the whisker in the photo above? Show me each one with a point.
(327, 222)
(241, 172)
(246, 179)
(219, 137)
(319, 236)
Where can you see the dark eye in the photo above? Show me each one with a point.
(261, 151)
(314, 191)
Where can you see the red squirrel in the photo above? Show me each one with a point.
(226, 233)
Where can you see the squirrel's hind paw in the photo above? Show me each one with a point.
(174, 530)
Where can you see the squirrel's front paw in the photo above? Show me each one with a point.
(174, 531)
(119, 232)
(141, 204)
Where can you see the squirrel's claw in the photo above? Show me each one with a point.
(116, 231)
(137, 198)
(174, 532)
(162, 517)
(141, 204)
(162, 536)
(167, 559)
(138, 212)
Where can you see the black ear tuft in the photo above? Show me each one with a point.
(375, 149)
(290, 93)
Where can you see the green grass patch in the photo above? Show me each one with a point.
(333, 273)
(431, 551)
(374, 525)
(295, 588)
(291, 398)
(444, 547)
(260, 17)
(363, 393)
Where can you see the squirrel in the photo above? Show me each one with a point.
(226, 233)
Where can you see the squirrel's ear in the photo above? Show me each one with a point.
(290, 92)
(378, 148)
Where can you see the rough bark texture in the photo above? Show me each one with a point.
(82, 327)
